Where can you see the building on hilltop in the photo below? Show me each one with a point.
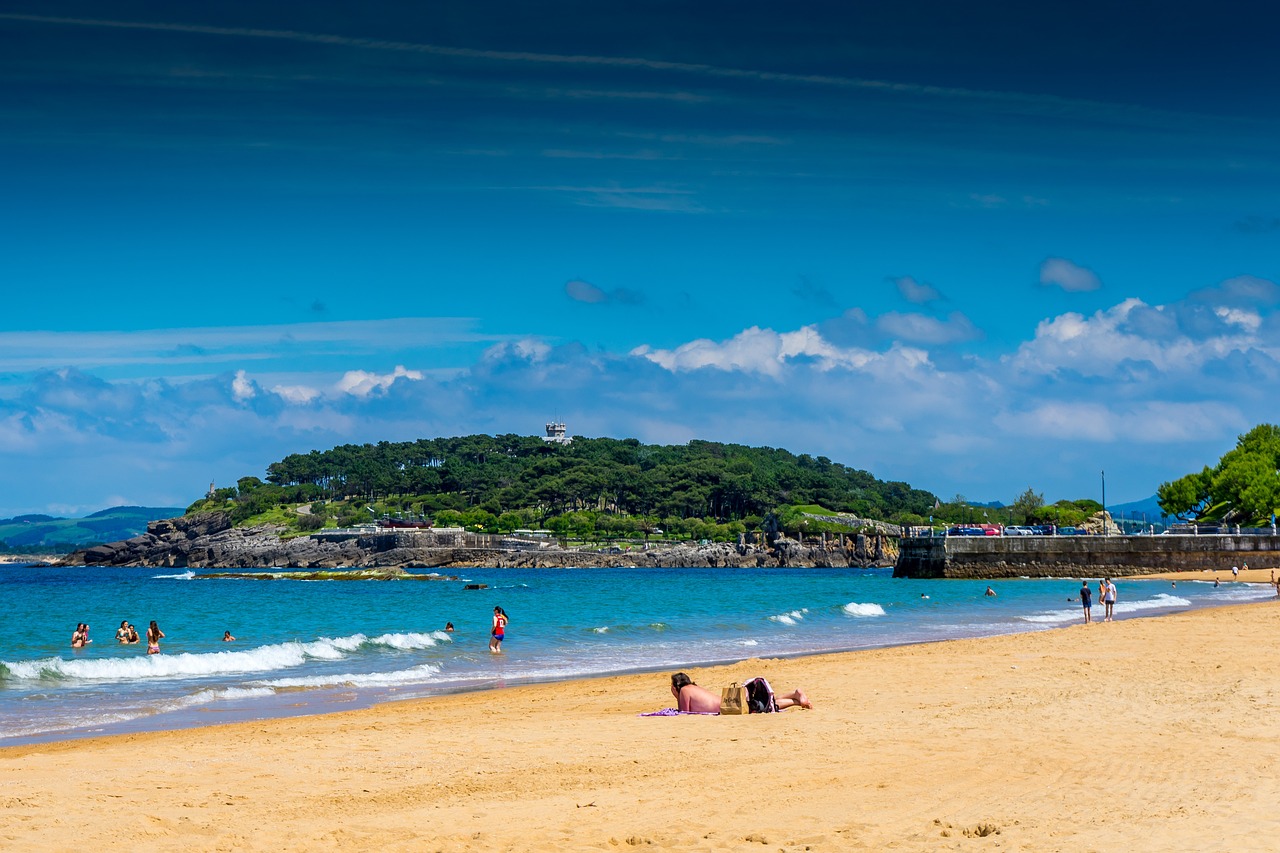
(556, 433)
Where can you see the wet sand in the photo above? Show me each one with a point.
(1142, 734)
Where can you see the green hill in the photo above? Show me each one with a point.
(592, 487)
(40, 534)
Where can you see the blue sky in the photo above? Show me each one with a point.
(977, 247)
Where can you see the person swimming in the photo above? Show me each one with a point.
(227, 638)
(122, 633)
(154, 636)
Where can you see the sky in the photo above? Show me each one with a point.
(977, 247)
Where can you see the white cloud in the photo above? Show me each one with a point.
(1082, 392)
(1101, 344)
(242, 388)
(1071, 277)
(362, 383)
(760, 351)
(299, 394)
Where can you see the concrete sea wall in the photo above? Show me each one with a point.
(1073, 556)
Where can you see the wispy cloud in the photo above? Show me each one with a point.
(1032, 102)
(211, 347)
(1257, 224)
(584, 291)
(916, 292)
(1068, 275)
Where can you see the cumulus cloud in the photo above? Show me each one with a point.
(1081, 391)
(916, 292)
(1176, 339)
(1071, 277)
(362, 383)
(585, 291)
(297, 394)
(757, 350)
(242, 388)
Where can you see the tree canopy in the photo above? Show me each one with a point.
(1243, 488)
(518, 480)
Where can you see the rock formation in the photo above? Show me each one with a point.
(209, 541)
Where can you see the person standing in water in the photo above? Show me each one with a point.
(1086, 601)
(154, 636)
(499, 630)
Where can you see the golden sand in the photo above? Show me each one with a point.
(1144, 734)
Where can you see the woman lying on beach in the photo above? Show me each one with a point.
(692, 697)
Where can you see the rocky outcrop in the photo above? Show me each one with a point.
(209, 541)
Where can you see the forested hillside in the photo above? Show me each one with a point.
(41, 534)
(509, 481)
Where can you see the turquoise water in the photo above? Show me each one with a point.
(314, 646)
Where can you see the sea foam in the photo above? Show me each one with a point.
(790, 617)
(269, 658)
(853, 608)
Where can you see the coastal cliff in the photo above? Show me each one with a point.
(209, 541)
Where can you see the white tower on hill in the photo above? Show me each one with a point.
(556, 433)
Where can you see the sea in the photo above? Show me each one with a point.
(314, 646)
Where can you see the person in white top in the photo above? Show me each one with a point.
(1109, 598)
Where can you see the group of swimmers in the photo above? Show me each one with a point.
(126, 635)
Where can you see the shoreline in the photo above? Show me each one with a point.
(1156, 730)
(296, 705)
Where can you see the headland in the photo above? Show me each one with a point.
(210, 541)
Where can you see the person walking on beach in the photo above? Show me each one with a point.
(154, 636)
(499, 632)
(1108, 599)
(1086, 601)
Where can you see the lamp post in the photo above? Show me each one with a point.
(1104, 503)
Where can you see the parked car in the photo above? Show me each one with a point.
(1018, 530)
(966, 531)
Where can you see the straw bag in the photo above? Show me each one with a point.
(733, 700)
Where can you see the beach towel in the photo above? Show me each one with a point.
(676, 712)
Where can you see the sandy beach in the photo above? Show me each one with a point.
(1143, 734)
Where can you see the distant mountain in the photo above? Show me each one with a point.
(46, 533)
(1135, 509)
